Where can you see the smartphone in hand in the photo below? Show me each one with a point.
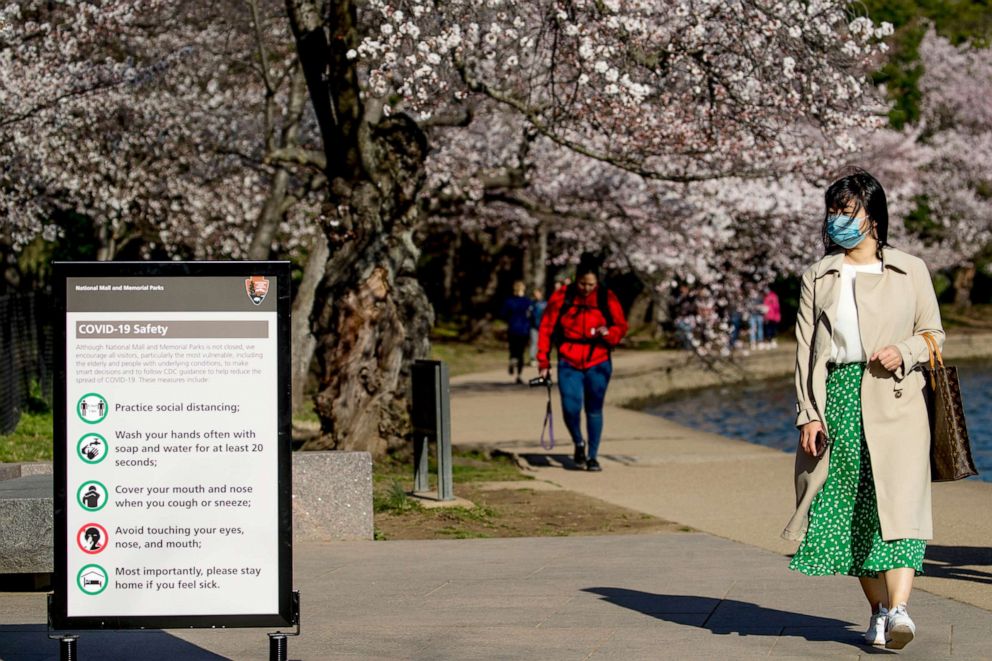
(821, 444)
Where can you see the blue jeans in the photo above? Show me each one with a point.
(757, 328)
(589, 385)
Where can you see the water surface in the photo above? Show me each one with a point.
(764, 412)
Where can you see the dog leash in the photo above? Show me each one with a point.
(549, 424)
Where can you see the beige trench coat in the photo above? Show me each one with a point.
(895, 307)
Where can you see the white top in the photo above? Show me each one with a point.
(846, 341)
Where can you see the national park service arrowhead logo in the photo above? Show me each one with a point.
(257, 287)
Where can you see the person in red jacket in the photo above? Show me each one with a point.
(773, 316)
(584, 322)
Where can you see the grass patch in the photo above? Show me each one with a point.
(460, 533)
(306, 415)
(467, 466)
(30, 441)
(393, 499)
(506, 512)
(464, 358)
(976, 318)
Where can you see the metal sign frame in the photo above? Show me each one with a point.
(432, 421)
(288, 613)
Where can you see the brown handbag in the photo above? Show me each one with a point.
(950, 450)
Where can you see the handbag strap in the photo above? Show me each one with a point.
(934, 352)
(934, 348)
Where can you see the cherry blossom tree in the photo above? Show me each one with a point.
(937, 171)
(623, 117)
(157, 120)
(172, 126)
(957, 179)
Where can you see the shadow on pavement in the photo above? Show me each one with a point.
(548, 460)
(955, 562)
(490, 386)
(29, 642)
(727, 616)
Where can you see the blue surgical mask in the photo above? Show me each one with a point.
(845, 231)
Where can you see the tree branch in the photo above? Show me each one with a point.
(632, 166)
(298, 156)
(458, 118)
(41, 107)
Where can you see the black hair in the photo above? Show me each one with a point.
(588, 263)
(864, 192)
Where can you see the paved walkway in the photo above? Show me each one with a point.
(723, 593)
(729, 488)
(666, 596)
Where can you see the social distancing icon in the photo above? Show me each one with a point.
(92, 448)
(92, 408)
(92, 579)
(92, 538)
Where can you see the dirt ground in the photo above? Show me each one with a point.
(517, 511)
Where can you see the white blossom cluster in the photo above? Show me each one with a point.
(662, 87)
(692, 139)
(728, 236)
(956, 179)
(145, 115)
(686, 138)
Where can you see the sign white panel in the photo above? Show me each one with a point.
(172, 451)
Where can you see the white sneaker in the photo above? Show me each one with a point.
(899, 629)
(875, 633)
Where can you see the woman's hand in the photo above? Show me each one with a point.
(807, 436)
(888, 357)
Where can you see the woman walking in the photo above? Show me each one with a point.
(584, 321)
(863, 463)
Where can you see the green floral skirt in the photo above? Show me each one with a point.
(844, 536)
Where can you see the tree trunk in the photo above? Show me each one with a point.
(535, 259)
(964, 280)
(303, 341)
(107, 242)
(274, 209)
(450, 264)
(371, 319)
(270, 216)
(637, 317)
(540, 256)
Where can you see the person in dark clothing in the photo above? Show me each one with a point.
(584, 321)
(515, 312)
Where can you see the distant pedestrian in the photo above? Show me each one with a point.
(736, 320)
(756, 319)
(863, 463)
(773, 315)
(584, 321)
(535, 314)
(515, 312)
(684, 314)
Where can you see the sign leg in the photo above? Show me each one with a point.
(277, 647)
(67, 648)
